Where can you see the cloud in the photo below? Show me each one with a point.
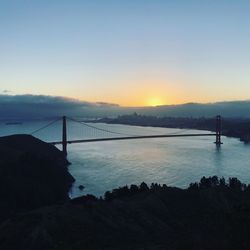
(39, 99)
(6, 91)
(39, 106)
(43, 106)
(107, 104)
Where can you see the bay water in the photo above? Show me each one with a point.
(102, 166)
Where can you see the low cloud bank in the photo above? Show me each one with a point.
(42, 106)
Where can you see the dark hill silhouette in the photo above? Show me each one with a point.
(32, 174)
(211, 214)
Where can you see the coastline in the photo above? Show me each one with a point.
(212, 212)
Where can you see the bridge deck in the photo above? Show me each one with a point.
(129, 138)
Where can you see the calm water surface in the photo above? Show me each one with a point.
(102, 166)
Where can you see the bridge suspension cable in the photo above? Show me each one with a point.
(179, 132)
(125, 136)
(94, 128)
(46, 126)
(100, 129)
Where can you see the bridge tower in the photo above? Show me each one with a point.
(64, 136)
(218, 130)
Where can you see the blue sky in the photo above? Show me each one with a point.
(132, 53)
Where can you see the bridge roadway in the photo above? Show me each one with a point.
(129, 138)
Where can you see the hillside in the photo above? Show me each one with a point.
(32, 174)
(209, 215)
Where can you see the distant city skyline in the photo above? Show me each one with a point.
(131, 53)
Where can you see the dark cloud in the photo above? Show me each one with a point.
(41, 99)
(39, 106)
(6, 91)
(107, 104)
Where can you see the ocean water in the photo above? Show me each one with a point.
(102, 166)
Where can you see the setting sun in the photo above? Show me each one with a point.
(155, 101)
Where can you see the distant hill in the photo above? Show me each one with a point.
(226, 109)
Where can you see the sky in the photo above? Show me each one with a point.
(132, 53)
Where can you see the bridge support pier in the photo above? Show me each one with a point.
(218, 130)
(64, 136)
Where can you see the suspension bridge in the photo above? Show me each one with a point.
(118, 135)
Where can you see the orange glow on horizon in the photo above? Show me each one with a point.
(136, 92)
(155, 101)
(133, 102)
